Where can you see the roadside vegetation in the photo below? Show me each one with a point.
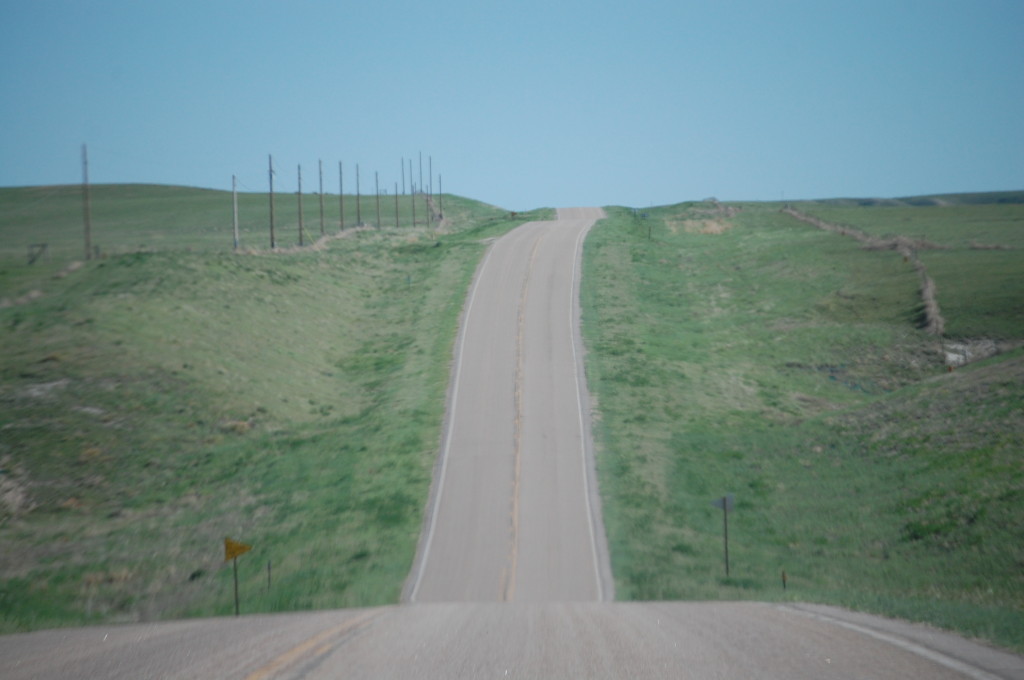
(735, 349)
(172, 392)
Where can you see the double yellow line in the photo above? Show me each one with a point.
(315, 646)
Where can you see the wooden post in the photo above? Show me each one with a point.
(86, 203)
(270, 163)
(321, 164)
(235, 562)
(234, 207)
(359, 211)
(376, 188)
(300, 205)
(725, 525)
(412, 195)
(341, 198)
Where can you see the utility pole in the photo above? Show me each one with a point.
(273, 241)
(359, 211)
(86, 207)
(376, 188)
(300, 205)
(412, 195)
(234, 206)
(341, 198)
(321, 164)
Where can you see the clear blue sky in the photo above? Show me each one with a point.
(522, 103)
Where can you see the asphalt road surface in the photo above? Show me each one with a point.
(514, 514)
(511, 578)
(512, 640)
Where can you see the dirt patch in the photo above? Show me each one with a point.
(44, 390)
(965, 351)
(718, 210)
(708, 226)
(320, 244)
(14, 497)
(23, 300)
(73, 267)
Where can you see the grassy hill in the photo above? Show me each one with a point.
(172, 393)
(735, 349)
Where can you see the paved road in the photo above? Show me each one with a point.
(512, 569)
(512, 640)
(514, 513)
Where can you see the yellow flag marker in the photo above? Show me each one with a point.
(233, 549)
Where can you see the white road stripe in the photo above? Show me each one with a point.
(435, 508)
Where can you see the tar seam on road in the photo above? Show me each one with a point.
(509, 589)
(447, 432)
(579, 412)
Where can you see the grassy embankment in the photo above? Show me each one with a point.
(754, 354)
(172, 393)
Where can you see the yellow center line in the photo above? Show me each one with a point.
(318, 641)
(509, 590)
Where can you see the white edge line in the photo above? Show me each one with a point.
(920, 650)
(450, 421)
(579, 412)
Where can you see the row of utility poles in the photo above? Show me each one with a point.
(433, 213)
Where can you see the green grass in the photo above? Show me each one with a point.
(976, 263)
(756, 355)
(172, 393)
